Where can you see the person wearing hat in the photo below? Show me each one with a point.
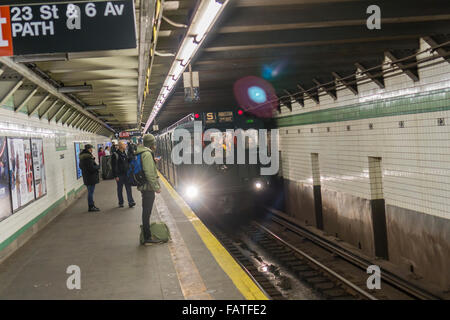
(152, 186)
(89, 169)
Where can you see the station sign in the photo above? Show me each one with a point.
(67, 27)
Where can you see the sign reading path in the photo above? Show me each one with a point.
(67, 27)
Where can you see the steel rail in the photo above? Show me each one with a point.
(388, 277)
(340, 278)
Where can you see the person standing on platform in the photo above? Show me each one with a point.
(89, 169)
(107, 152)
(119, 162)
(101, 153)
(152, 186)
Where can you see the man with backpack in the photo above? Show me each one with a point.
(151, 185)
(89, 169)
(119, 167)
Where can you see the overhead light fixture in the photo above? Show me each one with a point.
(98, 107)
(74, 89)
(41, 57)
(204, 18)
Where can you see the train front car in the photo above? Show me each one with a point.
(217, 169)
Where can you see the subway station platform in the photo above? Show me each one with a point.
(113, 265)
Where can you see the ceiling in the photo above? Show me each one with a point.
(307, 39)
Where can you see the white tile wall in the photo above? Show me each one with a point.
(61, 174)
(415, 159)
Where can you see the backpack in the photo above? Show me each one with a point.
(158, 230)
(135, 172)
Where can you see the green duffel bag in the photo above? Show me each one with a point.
(159, 231)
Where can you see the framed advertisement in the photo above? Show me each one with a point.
(21, 172)
(5, 196)
(40, 178)
(77, 159)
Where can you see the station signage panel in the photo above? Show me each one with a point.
(67, 27)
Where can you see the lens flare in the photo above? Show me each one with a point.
(256, 96)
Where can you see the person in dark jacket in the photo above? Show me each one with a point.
(119, 167)
(89, 169)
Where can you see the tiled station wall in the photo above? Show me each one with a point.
(405, 127)
(62, 183)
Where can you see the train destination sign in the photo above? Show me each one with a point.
(67, 27)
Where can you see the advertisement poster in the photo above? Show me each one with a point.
(40, 181)
(21, 175)
(77, 159)
(28, 194)
(5, 198)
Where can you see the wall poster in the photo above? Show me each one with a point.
(40, 179)
(21, 172)
(77, 159)
(5, 197)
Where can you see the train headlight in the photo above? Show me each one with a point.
(258, 185)
(191, 191)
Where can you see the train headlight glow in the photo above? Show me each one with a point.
(258, 185)
(192, 192)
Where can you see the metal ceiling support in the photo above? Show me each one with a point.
(440, 51)
(11, 92)
(2, 70)
(79, 120)
(287, 102)
(38, 106)
(24, 102)
(73, 117)
(89, 127)
(299, 98)
(330, 91)
(146, 19)
(313, 95)
(379, 80)
(411, 71)
(63, 114)
(38, 80)
(73, 113)
(50, 117)
(353, 87)
(48, 109)
(84, 124)
(80, 124)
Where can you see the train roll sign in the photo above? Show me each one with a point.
(67, 27)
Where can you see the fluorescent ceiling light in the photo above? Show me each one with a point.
(204, 18)
(41, 57)
(207, 15)
(187, 50)
(73, 89)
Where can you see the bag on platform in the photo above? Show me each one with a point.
(159, 231)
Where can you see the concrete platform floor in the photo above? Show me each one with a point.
(113, 265)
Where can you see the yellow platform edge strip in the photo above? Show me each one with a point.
(240, 278)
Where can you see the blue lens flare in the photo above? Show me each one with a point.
(257, 94)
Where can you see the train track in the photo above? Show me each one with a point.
(389, 278)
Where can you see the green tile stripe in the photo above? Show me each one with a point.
(8, 241)
(438, 100)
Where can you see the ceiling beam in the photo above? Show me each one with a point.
(378, 79)
(411, 71)
(349, 84)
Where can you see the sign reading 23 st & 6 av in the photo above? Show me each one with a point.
(67, 27)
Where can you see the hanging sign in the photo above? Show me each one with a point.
(67, 27)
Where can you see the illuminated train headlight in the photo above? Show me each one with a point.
(258, 185)
(191, 192)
